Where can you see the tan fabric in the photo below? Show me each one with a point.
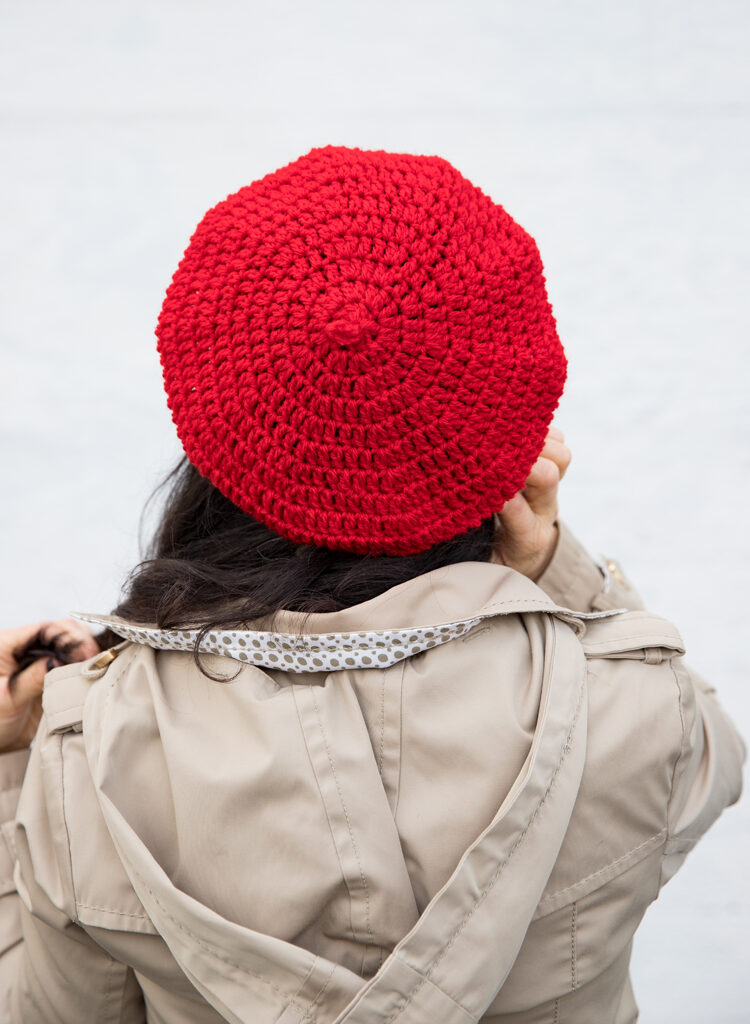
(255, 850)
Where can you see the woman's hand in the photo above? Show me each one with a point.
(21, 691)
(527, 534)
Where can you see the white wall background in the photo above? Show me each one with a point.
(617, 134)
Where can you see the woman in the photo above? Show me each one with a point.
(372, 738)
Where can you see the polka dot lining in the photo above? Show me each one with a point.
(292, 652)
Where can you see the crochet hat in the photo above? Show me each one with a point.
(358, 351)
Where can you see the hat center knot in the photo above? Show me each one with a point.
(352, 329)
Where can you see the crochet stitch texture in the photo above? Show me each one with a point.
(358, 351)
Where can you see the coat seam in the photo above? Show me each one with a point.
(327, 814)
(116, 676)
(425, 980)
(68, 848)
(129, 972)
(355, 848)
(110, 988)
(483, 894)
(397, 796)
(501, 867)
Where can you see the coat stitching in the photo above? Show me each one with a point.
(110, 910)
(289, 1000)
(642, 635)
(382, 723)
(573, 950)
(314, 1005)
(423, 979)
(326, 811)
(607, 867)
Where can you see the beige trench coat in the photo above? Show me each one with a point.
(468, 828)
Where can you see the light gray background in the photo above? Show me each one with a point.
(616, 133)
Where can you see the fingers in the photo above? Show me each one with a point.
(516, 515)
(541, 488)
(67, 633)
(71, 640)
(28, 685)
(528, 533)
(22, 679)
(16, 638)
(558, 452)
(539, 496)
(72, 637)
(543, 475)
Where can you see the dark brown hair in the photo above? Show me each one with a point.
(211, 566)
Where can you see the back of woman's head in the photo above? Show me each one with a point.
(362, 364)
(211, 564)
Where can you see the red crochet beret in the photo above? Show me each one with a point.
(358, 351)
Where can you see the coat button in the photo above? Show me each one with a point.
(614, 570)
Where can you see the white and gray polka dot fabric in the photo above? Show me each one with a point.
(292, 652)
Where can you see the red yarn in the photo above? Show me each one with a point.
(358, 351)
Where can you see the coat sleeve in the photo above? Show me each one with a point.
(708, 772)
(12, 771)
(51, 970)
